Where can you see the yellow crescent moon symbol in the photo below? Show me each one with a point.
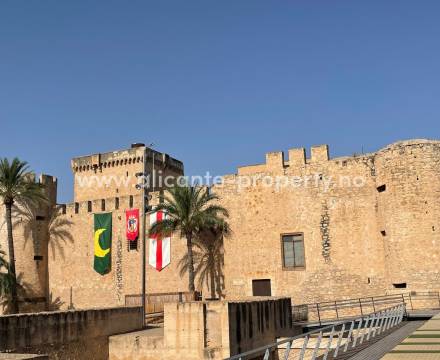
(99, 251)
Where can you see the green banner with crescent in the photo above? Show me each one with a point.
(102, 239)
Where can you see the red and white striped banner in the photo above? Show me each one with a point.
(160, 248)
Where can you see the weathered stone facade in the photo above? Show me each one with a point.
(370, 223)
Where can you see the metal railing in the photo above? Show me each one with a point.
(343, 309)
(330, 341)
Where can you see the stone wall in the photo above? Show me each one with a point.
(359, 240)
(370, 223)
(209, 330)
(70, 262)
(31, 227)
(67, 334)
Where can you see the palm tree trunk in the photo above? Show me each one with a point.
(14, 298)
(191, 286)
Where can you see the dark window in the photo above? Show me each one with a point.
(261, 287)
(89, 206)
(381, 188)
(383, 232)
(76, 208)
(131, 201)
(38, 257)
(132, 244)
(293, 251)
(116, 203)
(39, 218)
(102, 205)
(400, 286)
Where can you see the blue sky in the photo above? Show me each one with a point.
(215, 84)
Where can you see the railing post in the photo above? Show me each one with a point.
(318, 342)
(410, 301)
(373, 320)
(360, 305)
(378, 319)
(336, 308)
(289, 346)
(357, 333)
(364, 330)
(319, 315)
(349, 335)
(382, 323)
(267, 354)
(303, 349)
(330, 340)
(374, 308)
(340, 336)
(388, 322)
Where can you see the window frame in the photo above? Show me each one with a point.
(292, 268)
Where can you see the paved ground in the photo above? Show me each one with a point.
(422, 344)
(380, 346)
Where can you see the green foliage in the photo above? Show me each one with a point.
(17, 183)
(190, 212)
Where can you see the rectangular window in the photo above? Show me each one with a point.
(293, 251)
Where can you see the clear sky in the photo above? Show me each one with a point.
(215, 84)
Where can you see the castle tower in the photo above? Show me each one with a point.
(31, 227)
(408, 188)
(113, 174)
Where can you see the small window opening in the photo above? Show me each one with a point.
(383, 232)
(368, 281)
(103, 205)
(116, 203)
(39, 218)
(381, 188)
(132, 245)
(76, 208)
(38, 257)
(399, 286)
(130, 201)
(89, 206)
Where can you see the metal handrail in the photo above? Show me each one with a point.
(321, 309)
(365, 327)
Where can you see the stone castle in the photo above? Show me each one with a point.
(313, 229)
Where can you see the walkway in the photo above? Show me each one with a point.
(422, 344)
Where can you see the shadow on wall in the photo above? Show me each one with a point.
(208, 253)
(58, 233)
(29, 301)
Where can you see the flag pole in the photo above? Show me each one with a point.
(144, 230)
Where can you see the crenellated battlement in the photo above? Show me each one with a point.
(122, 158)
(119, 203)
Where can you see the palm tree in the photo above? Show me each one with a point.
(208, 255)
(190, 210)
(17, 185)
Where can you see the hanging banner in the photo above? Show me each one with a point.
(132, 224)
(102, 242)
(160, 248)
